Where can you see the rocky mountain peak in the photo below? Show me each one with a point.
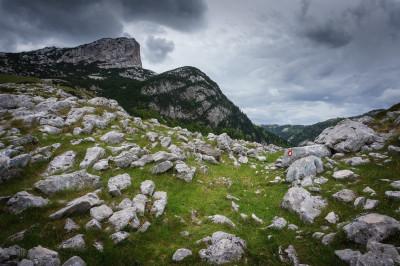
(119, 52)
(108, 52)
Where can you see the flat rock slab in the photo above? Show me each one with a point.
(43, 256)
(101, 212)
(122, 218)
(147, 187)
(181, 254)
(77, 243)
(345, 195)
(61, 162)
(224, 248)
(113, 137)
(161, 167)
(23, 200)
(92, 155)
(372, 226)
(220, 219)
(79, 205)
(75, 180)
(185, 172)
(344, 174)
(393, 195)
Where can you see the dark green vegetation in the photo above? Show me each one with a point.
(184, 105)
(298, 134)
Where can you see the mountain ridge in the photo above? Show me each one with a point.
(183, 96)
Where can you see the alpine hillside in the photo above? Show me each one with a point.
(112, 68)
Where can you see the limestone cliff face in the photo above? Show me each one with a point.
(120, 52)
(108, 52)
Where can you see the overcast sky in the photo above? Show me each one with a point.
(286, 61)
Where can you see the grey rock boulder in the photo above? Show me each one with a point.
(224, 142)
(118, 183)
(139, 203)
(344, 174)
(224, 248)
(307, 166)
(185, 172)
(345, 195)
(79, 205)
(177, 151)
(75, 180)
(23, 200)
(209, 159)
(74, 261)
(277, 223)
(122, 218)
(372, 226)
(347, 136)
(161, 168)
(300, 201)
(43, 256)
(393, 195)
(147, 187)
(355, 161)
(181, 254)
(70, 225)
(119, 237)
(113, 137)
(92, 155)
(163, 156)
(101, 212)
(160, 204)
(77, 243)
(319, 151)
(61, 162)
(125, 159)
(220, 219)
(208, 150)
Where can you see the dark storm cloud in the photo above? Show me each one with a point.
(26, 22)
(328, 35)
(158, 49)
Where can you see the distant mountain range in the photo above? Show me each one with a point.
(299, 135)
(112, 68)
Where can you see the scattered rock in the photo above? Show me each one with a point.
(184, 172)
(257, 219)
(300, 201)
(43, 256)
(139, 203)
(92, 155)
(356, 161)
(161, 167)
(278, 223)
(347, 136)
(144, 227)
(79, 205)
(77, 243)
(119, 237)
(118, 183)
(344, 174)
(70, 225)
(159, 205)
(61, 162)
(23, 200)
(74, 261)
(224, 248)
(125, 159)
(147, 187)
(372, 226)
(122, 218)
(319, 151)
(93, 224)
(332, 218)
(101, 212)
(308, 166)
(345, 195)
(220, 219)
(209, 159)
(113, 137)
(224, 142)
(393, 195)
(359, 202)
(75, 180)
(181, 254)
(328, 239)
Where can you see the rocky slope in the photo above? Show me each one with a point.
(84, 182)
(111, 68)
